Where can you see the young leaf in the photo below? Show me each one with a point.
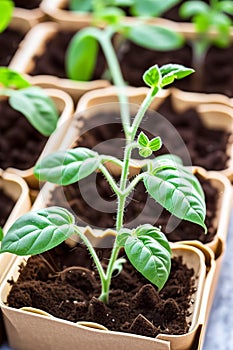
(153, 37)
(143, 139)
(170, 72)
(1, 234)
(39, 231)
(12, 79)
(152, 77)
(80, 5)
(6, 11)
(81, 56)
(110, 15)
(225, 6)
(67, 167)
(191, 8)
(37, 107)
(155, 144)
(149, 252)
(178, 191)
(152, 8)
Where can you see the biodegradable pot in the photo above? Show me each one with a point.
(23, 61)
(56, 11)
(36, 15)
(64, 106)
(20, 24)
(17, 189)
(20, 324)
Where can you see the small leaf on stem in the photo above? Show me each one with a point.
(39, 231)
(67, 167)
(6, 11)
(143, 139)
(12, 79)
(192, 8)
(170, 72)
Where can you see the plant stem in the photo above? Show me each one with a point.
(110, 179)
(94, 256)
(105, 41)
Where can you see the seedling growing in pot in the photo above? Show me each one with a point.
(169, 183)
(146, 8)
(6, 11)
(213, 25)
(31, 101)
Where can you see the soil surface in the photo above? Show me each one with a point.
(6, 205)
(214, 80)
(20, 143)
(29, 5)
(9, 43)
(135, 305)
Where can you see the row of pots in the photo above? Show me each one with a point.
(216, 111)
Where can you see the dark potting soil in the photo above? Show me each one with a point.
(52, 60)
(29, 5)
(9, 43)
(135, 305)
(6, 205)
(20, 143)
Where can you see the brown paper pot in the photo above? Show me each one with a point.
(22, 61)
(17, 189)
(55, 10)
(35, 15)
(64, 105)
(25, 329)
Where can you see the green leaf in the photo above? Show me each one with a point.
(170, 72)
(122, 236)
(152, 77)
(178, 191)
(110, 15)
(155, 144)
(145, 152)
(149, 252)
(143, 139)
(67, 167)
(81, 56)
(38, 231)
(12, 79)
(225, 6)
(1, 234)
(80, 5)
(6, 11)
(192, 8)
(152, 8)
(37, 107)
(153, 37)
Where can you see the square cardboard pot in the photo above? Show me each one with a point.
(17, 189)
(21, 324)
(23, 61)
(64, 105)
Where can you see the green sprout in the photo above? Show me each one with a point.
(207, 19)
(31, 101)
(167, 182)
(6, 11)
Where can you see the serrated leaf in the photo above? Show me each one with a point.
(39, 231)
(6, 11)
(155, 144)
(192, 8)
(143, 139)
(153, 37)
(67, 167)
(170, 72)
(178, 191)
(152, 77)
(37, 107)
(149, 252)
(80, 5)
(81, 56)
(151, 8)
(12, 79)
